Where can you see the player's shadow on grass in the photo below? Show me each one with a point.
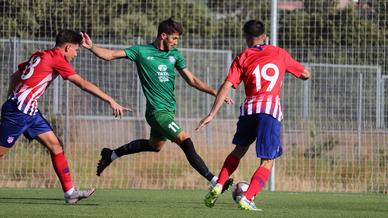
(29, 200)
(178, 204)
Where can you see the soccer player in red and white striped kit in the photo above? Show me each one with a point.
(261, 68)
(20, 114)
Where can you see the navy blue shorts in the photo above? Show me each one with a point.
(263, 128)
(14, 123)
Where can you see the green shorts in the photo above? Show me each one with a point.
(163, 125)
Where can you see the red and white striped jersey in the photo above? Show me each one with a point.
(36, 75)
(262, 69)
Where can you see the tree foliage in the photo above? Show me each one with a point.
(320, 24)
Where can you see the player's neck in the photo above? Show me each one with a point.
(61, 49)
(256, 43)
(158, 44)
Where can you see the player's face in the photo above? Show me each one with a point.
(71, 51)
(170, 40)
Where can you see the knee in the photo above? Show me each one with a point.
(239, 151)
(267, 163)
(157, 148)
(55, 147)
(181, 138)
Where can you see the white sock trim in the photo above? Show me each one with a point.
(214, 181)
(113, 156)
(69, 192)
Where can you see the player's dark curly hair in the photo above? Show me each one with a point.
(254, 28)
(68, 36)
(170, 26)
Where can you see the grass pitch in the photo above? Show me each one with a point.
(186, 203)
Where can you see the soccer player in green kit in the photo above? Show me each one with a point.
(155, 65)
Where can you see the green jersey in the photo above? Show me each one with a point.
(157, 75)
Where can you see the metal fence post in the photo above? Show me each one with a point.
(274, 41)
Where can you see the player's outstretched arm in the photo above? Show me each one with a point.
(103, 53)
(222, 93)
(118, 110)
(193, 81)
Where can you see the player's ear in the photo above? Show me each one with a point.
(67, 47)
(163, 36)
(263, 37)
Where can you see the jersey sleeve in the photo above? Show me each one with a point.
(132, 52)
(235, 72)
(292, 66)
(180, 61)
(63, 68)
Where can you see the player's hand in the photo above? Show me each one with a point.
(228, 100)
(204, 122)
(86, 41)
(118, 110)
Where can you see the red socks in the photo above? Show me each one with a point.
(62, 170)
(258, 181)
(230, 165)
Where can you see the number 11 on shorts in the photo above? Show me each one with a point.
(173, 126)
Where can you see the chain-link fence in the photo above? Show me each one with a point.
(334, 128)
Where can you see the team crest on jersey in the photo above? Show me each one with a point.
(10, 139)
(162, 67)
(172, 59)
